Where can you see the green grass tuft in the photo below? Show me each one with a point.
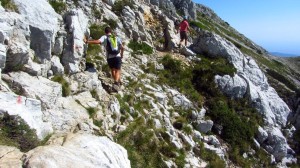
(15, 132)
(66, 90)
(8, 4)
(142, 47)
(58, 5)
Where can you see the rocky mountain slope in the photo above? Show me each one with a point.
(221, 102)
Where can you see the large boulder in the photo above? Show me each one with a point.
(169, 32)
(251, 81)
(10, 157)
(77, 28)
(235, 87)
(79, 150)
(34, 87)
(43, 23)
(14, 44)
(70, 116)
(187, 7)
(28, 109)
(264, 97)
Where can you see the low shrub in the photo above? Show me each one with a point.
(96, 31)
(143, 147)
(8, 4)
(142, 47)
(112, 23)
(14, 131)
(66, 90)
(282, 79)
(198, 24)
(119, 5)
(58, 5)
(177, 76)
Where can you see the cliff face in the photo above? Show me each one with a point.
(210, 104)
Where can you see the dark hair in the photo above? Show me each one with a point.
(107, 30)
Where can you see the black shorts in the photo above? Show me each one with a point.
(183, 35)
(114, 63)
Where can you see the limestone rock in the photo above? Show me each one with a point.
(235, 87)
(59, 43)
(69, 115)
(56, 66)
(36, 87)
(10, 157)
(276, 144)
(28, 109)
(87, 81)
(43, 22)
(82, 150)
(187, 52)
(204, 126)
(253, 82)
(180, 100)
(77, 24)
(3, 50)
(169, 33)
(14, 32)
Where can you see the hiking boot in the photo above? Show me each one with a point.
(116, 86)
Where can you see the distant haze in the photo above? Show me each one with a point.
(272, 24)
(283, 54)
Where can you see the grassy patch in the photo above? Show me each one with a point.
(282, 79)
(119, 6)
(92, 111)
(214, 161)
(112, 23)
(179, 77)
(142, 47)
(15, 132)
(96, 12)
(58, 5)
(66, 90)
(96, 31)
(8, 4)
(145, 149)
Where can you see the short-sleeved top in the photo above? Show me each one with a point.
(184, 26)
(103, 41)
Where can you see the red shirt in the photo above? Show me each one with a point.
(184, 26)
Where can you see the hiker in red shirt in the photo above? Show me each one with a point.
(183, 28)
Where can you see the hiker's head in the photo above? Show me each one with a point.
(185, 17)
(107, 30)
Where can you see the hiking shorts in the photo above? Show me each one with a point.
(114, 63)
(183, 35)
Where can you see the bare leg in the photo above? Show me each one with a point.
(113, 74)
(118, 75)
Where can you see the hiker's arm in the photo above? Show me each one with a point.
(92, 41)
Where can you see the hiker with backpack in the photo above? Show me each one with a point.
(183, 28)
(114, 53)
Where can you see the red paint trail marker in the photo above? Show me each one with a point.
(19, 100)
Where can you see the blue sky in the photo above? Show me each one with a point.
(273, 24)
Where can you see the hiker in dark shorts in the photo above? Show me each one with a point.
(183, 28)
(114, 53)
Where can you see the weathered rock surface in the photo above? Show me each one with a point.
(79, 150)
(77, 24)
(39, 88)
(28, 109)
(43, 23)
(14, 44)
(251, 80)
(10, 157)
(3, 50)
